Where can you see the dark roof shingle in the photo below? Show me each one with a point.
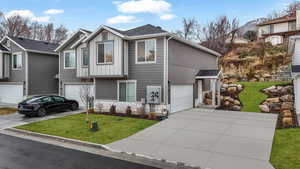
(36, 45)
(142, 30)
(2, 48)
(203, 73)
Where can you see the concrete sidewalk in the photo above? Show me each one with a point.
(208, 138)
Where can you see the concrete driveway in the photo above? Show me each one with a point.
(208, 138)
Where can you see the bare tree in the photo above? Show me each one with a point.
(14, 26)
(86, 96)
(61, 33)
(215, 33)
(189, 29)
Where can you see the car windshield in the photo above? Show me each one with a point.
(33, 99)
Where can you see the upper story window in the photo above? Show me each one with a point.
(292, 26)
(146, 51)
(69, 59)
(85, 57)
(17, 61)
(104, 36)
(105, 52)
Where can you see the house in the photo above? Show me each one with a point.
(277, 31)
(142, 65)
(27, 67)
(294, 47)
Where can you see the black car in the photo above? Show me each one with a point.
(41, 105)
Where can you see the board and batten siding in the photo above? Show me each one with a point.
(147, 74)
(111, 69)
(82, 71)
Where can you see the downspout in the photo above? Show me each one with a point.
(166, 91)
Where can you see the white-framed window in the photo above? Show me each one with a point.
(84, 57)
(69, 59)
(127, 90)
(105, 52)
(17, 61)
(145, 51)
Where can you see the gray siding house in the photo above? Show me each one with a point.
(126, 67)
(27, 67)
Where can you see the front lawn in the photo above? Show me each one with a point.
(252, 96)
(286, 149)
(4, 111)
(112, 128)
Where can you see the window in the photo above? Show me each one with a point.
(127, 91)
(46, 100)
(85, 57)
(105, 52)
(58, 99)
(17, 61)
(146, 51)
(104, 36)
(70, 59)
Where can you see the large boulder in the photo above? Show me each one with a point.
(232, 90)
(264, 108)
(275, 107)
(236, 108)
(287, 98)
(287, 90)
(287, 106)
(273, 100)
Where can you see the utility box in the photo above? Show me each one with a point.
(154, 94)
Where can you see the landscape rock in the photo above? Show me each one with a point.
(273, 100)
(236, 108)
(287, 98)
(287, 106)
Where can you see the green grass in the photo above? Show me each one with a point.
(252, 96)
(286, 149)
(112, 128)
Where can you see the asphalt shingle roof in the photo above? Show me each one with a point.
(203, 73)
(2, 48)
(41, 46)
(142, 30)
(296, 68)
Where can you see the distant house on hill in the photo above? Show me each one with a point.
(278, 31)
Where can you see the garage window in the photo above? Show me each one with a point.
(17, 61)
(70, 59)
(127, 91)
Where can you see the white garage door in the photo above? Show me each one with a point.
(73, 92)
(11, 93)
(297, 93)
(181, 97)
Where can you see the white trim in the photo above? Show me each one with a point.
(67, 51)
(12, 60)
(99, 29)
(127, 81)
(68, 39)
(97, 58)
(26, 74)
(13, 42)
(41, 52)
(207, 77)
(78, 42)
(136, 52)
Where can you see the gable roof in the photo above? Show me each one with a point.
(68, 40)
(3, 48)
(286, 18)
(142, 30)
(35, 46)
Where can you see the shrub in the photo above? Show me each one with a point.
(128, 111)
(112, 109)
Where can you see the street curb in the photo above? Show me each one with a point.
(61, 139)
(180, 165)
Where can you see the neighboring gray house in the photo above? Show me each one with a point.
(27, 67)
(294, 48)
(122, 65)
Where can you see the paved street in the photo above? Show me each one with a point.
(208, 138)
(17, 153)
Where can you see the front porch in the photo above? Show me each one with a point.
(208, 89)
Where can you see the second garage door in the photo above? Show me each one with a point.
(72, 91)
(181, 97)
(11, 93)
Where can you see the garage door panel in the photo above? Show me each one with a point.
(181, 97)
(11, 93)
(72, 92)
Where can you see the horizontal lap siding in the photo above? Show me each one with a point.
(106, 89)
(147, 74)
(114, 69)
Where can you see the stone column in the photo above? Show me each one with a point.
(213, 89)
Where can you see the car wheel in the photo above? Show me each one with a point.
(74, 107)
(41, 112)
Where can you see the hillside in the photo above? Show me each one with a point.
(256, 61)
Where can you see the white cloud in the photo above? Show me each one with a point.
(28, 15)
(121, 19)
(54, 11)
(167, 17)
(143, 6)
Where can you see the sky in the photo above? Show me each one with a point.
(126, 14)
